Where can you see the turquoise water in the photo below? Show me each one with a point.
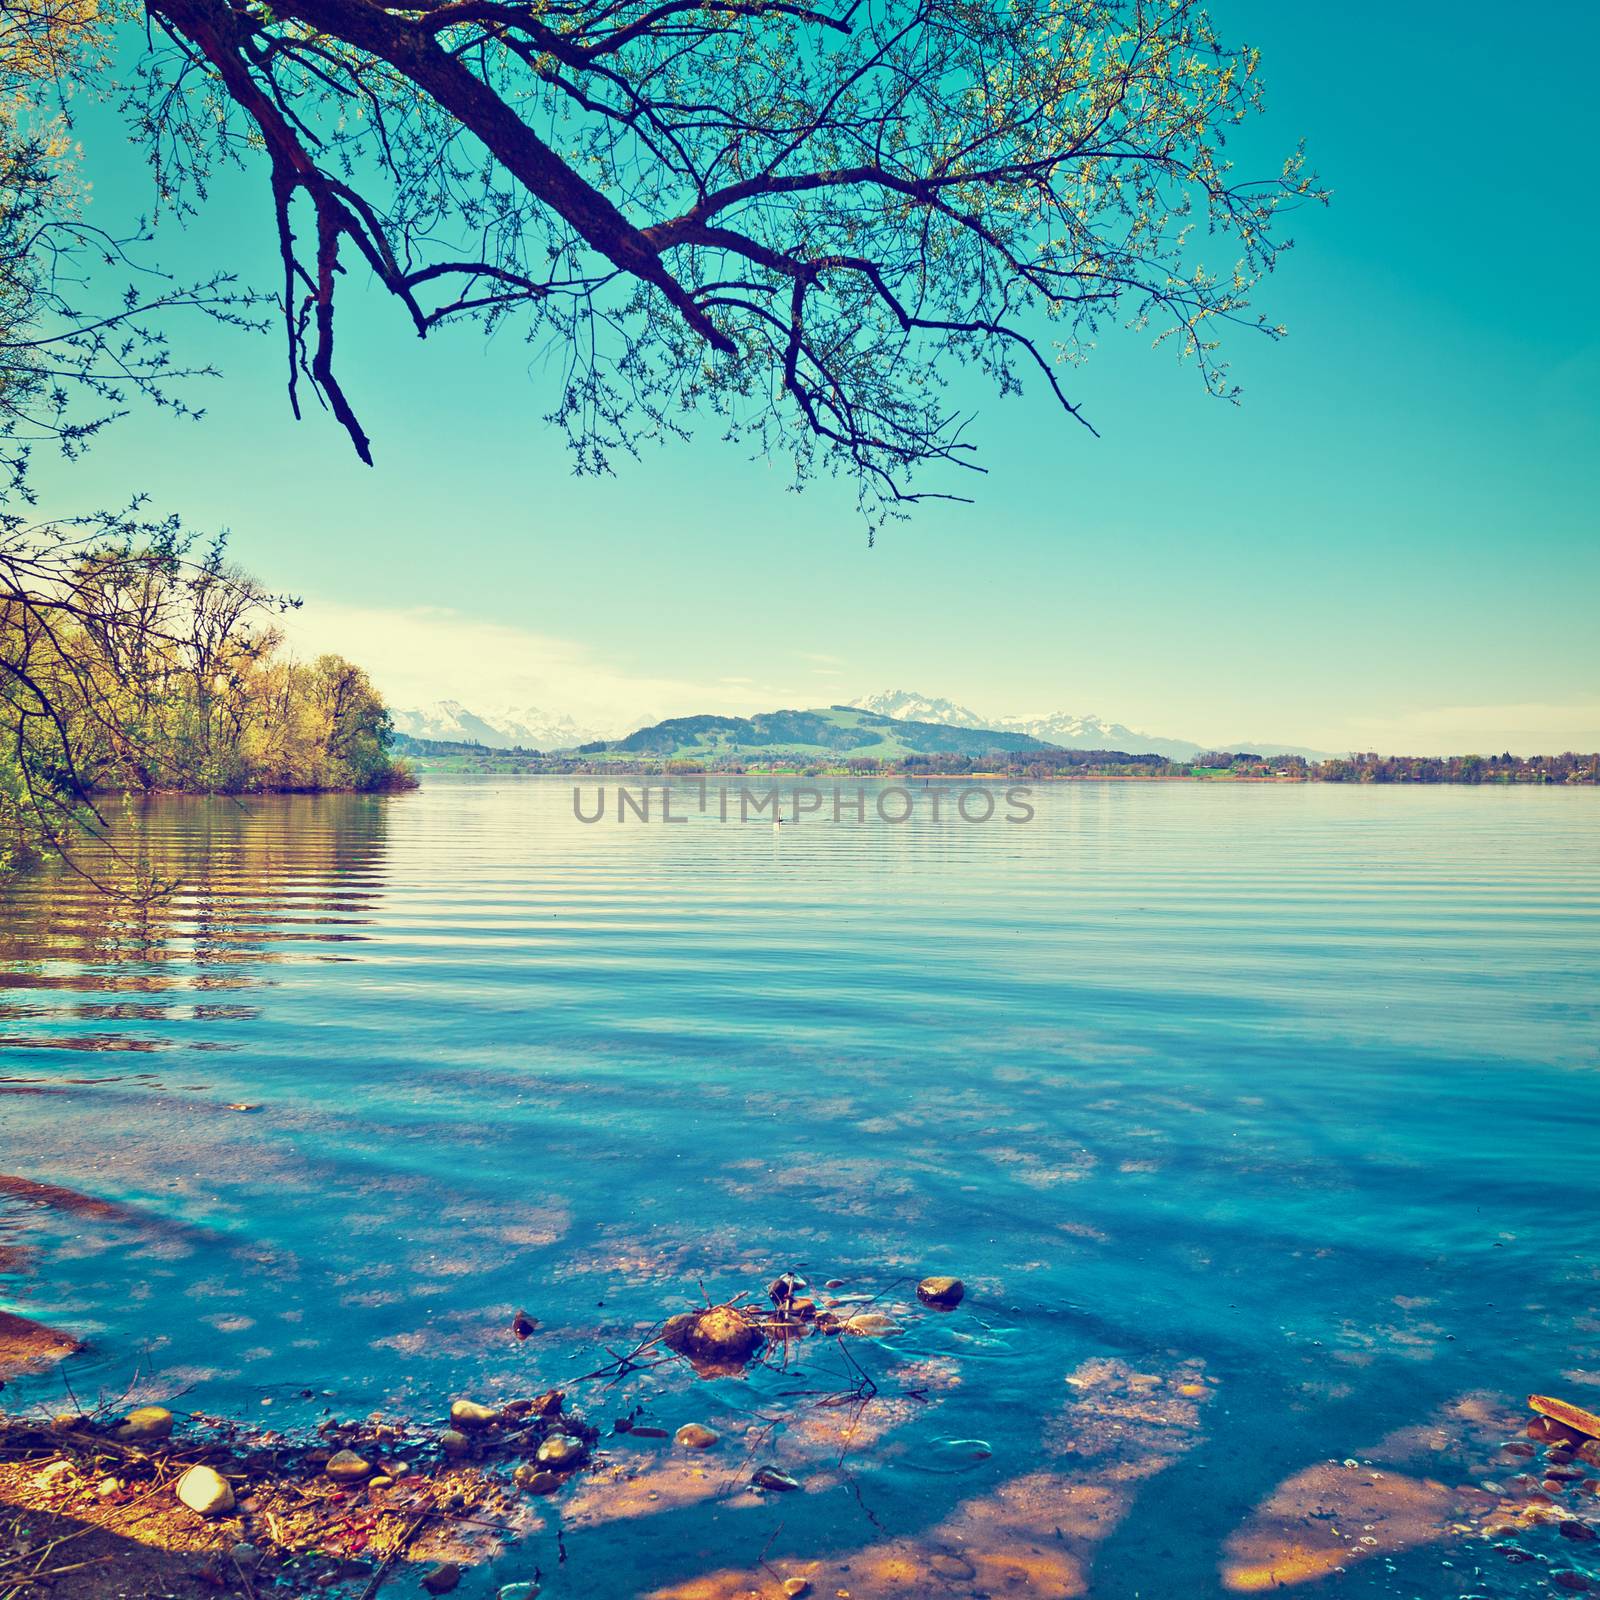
(1261, 1123)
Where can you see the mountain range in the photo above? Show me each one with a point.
(1065, 728)
(531, 728)
(526, 728)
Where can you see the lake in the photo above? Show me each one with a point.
(1261, 1122)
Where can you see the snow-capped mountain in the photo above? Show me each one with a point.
(534, 729)
(907, 706)
(1064, 728)
(527, 727)
(1058, 727)
(1095, 733)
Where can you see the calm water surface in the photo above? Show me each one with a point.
(1260, 1121)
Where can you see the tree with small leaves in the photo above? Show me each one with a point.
(797, 218)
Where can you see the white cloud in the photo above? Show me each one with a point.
(419, 654)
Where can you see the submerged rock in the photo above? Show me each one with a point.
(345, 1466)
(454, 1445)
(952, 1455)
(468, 1415)
(443, 1578)
(518, 1591)
(523, 1325)
(696, 1436)
(147, 1423)
(945, 1294)
(204, 1490)
(796, 1586)
(771, 1478)
(719, 1336)
(872, 1325)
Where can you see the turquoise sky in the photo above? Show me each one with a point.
(1391, 544)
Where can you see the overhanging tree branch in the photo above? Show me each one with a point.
(908, 185)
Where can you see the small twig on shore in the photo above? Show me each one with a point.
(244, 1576)
(379, 1577)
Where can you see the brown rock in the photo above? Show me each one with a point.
(27, 1346)
(562, 1451)
(205, 1490)
(944, 1294)
(1577, 1419)
(784, 1288)
(771, 1478)
(345, 1466)
(1548, 1429)
(148, 1423)
(443, 1578)
(720, 1335)
(696, 1436)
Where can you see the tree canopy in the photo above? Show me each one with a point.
(130, 661)
(796, 217)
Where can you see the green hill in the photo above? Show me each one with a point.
(837, 732)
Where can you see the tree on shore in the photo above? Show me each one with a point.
(130, 662)
(799, 218)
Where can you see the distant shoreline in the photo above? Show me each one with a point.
(1055, 765)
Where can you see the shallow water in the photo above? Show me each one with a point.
(1260, 1121)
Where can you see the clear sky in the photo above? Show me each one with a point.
(1393, 543)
